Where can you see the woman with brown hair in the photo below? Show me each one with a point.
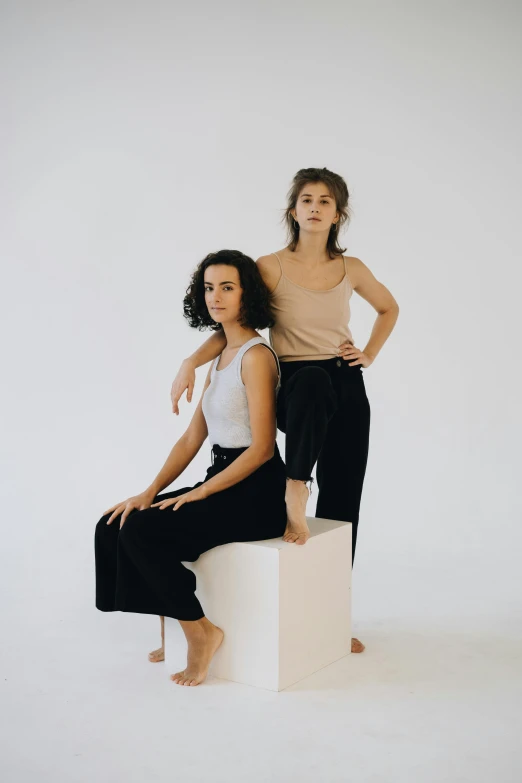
(322, 405)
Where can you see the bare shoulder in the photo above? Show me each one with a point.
(366, 284)
(358, 272)
(269, 269)
(258, 362)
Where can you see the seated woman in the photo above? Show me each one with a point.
(242, 497)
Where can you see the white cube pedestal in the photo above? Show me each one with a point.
(285, 609)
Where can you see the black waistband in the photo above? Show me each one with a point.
(230, 454)
(335, 363)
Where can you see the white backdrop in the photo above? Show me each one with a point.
(141, 136)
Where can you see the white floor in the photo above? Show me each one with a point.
(435, 697)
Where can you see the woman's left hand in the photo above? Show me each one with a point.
(348, 351)
(199, 493)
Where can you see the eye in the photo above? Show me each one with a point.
(227, 288)
(208, 288)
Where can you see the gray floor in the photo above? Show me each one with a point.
(435, 697)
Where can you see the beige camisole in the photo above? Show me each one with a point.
(310, 324)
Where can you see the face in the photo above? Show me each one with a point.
(315, 210)
(223, 293)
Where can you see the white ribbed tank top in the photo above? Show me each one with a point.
(225, 405)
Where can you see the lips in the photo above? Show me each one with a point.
(318, 220)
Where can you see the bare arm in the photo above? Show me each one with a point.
(186, 377)
(182, 454)
(211, 348)
(381, 299)
(185, 449)
(259, 373)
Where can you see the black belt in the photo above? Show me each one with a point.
(223, 453)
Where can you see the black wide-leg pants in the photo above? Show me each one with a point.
(139, 568)
(323, 409)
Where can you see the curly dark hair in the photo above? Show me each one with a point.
(256, 301)
(338, 189)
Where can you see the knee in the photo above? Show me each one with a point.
(135, 526)
(102, 528)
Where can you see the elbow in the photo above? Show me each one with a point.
(264, 453)
(393, 309)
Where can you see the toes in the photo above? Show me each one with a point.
(357, 646)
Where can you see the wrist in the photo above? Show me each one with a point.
(153, 490)
(190, 361)
(204, 489)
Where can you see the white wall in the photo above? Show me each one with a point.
(141, 136)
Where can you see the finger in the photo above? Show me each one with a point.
(352, 364)
(116, 513)
(179, 504)
(125, 514)
(175, 408)
(189, 392)
(116, 505)
(163, 504)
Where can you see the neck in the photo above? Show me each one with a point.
(236, 335)
(312, 248)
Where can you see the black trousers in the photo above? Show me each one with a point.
(139, 569)
(323, 409)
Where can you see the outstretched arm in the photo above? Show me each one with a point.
(182, 454)
(186, 448)
(186, 377)
(259, 374)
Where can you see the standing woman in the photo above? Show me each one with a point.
(322, 405)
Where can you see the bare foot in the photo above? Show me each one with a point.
(297, 494)
(203, 643)
(357, 646)
(159, 655)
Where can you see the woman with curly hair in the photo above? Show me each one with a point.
(322, 406)
(140, 543)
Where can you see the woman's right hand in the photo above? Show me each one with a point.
(139, 502)
(185, 379)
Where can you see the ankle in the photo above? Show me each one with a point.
(294, 485)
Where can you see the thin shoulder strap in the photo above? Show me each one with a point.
(346, 273)
(280, 264)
